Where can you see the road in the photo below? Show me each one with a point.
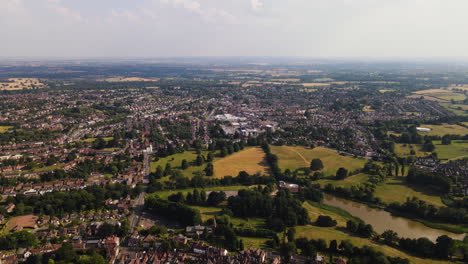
(140, 200)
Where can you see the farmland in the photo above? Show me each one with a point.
(21, 84)
(458, 109)
(299, 157)
(440, 95)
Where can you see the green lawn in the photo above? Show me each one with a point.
(397, 190)
(299, 157)
(457, 150)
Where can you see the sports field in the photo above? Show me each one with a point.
(296, 157)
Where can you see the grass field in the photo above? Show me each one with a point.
(166, 193)
(4, 129)
(457, 150)
(88, 140)
(251, 160)
(21, 83)
(397, 190)
(349, 181)
(458, 109)
(368, 108)
(299, 157)
(445, 95)
(444, 129)
(337, 233)
(404, 150)
(315, 84)
(130, 79)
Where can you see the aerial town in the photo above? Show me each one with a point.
(236, 162)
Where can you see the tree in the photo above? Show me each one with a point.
(316, 164)
(445, 246)
(215, 198)
(209, 170)
(446, 140)
(341, 174)
(390, 237)
(291, 234)
(351, 226)
(209, 157)
(428, 146)
(333, 246)
(184, 164)
(199, 161)
(325, 221)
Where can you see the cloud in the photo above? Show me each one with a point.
(58, 8)
(256, 4)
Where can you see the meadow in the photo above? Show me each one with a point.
(249, 159)
(441, 94)
(458, 149)
(444, 129)
(4, 129)
(21, 84)
(296, 157)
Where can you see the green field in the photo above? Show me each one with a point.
(444, 129)
(404, 150)
(250, 160)
(457, 150)
(337, 233)
(397, 190)
(88, 140)
(349, 181)
(458, 109)
(299, 157)
(4, 129)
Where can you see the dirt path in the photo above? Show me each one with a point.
(300, 155)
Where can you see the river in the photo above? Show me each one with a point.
(382, 220)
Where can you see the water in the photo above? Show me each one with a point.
(382, 220)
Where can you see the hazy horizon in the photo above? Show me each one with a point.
(350, 29)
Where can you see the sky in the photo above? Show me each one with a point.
(179, 28)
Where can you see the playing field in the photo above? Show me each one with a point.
(299, 157)
(444, 129)
(404, 150)
(396, 190)
(251, 160)
(4, 129)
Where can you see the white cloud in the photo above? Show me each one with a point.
(256, 4)
(58, 8)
